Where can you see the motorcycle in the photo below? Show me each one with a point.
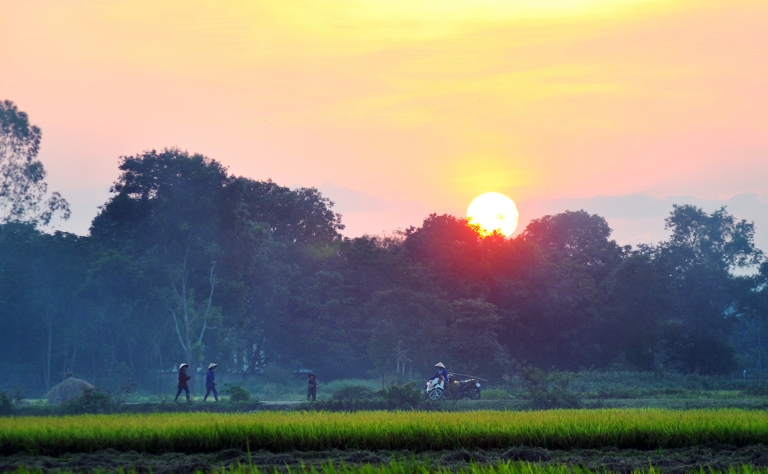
(469, 388)
(452, 389)
(435, 389)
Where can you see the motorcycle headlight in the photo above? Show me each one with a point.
(477, 384)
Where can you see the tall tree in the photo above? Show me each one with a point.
(39, 276)
(636, 313)
(557, 311)
(700, 257)
(165, 212)
(218, 245)
(580, 238)
(23, 190)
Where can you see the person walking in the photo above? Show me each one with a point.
(210, 382)
(311, 387)
(183, 379)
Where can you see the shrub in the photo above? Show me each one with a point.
(549, 390)
(402, 397)
(18, 395)
(121, 395)
(333, 386)
(236, 393)
(756, 390)
(495, 394)
(274, 391)
(395, 397)
(92, 401)
(6, 404)
(353, 392)
(618, 392)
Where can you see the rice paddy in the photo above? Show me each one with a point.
(643, 429)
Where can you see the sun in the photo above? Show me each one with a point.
(493, 212)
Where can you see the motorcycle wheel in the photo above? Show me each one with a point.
(436, 394)
(475, 394)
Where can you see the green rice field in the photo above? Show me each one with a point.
(643, 429)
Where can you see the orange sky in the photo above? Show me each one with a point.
(396, 109)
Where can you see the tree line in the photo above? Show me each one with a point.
(186, 262)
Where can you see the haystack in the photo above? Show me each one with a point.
(67, 390)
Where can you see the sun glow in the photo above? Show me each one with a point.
(493, 212)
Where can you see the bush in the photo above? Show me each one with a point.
(495, 394)
(6, 404)
(236, 393)
(402, 397)
(274, 391)
(549, 390)
(395, 397)
(18, 395)
(759, 389)
(353, 392)
(92, 401)
(619, 392)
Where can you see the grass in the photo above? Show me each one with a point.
(414, 431)
(417, 468)
(501, 468)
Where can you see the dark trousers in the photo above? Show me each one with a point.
(186, 389)
(208, 391)
(311, 392)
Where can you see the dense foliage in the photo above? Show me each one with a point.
(188, 263)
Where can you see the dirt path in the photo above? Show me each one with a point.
(281, 402)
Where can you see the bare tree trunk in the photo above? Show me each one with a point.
(48, 358)
(160, 378)
(181, 297)
(187, 319)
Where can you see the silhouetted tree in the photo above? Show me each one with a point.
(23, 189)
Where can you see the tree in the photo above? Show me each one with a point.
(640, 300)
(292, 215)
(452, 250)
(23, 190)
(222, 248)
(473, 341)
(165, 213)
(39, 276)
(407, 320)
(578, 237)
(699, 259)
(325, 326)
(272, 239)
(557, 305)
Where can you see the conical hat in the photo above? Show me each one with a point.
(212, 365)
(183, 365)
(440, 364)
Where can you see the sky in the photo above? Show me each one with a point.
(398, 109)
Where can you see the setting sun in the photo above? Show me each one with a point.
(493, 212)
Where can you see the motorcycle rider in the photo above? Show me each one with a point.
(441, 373)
